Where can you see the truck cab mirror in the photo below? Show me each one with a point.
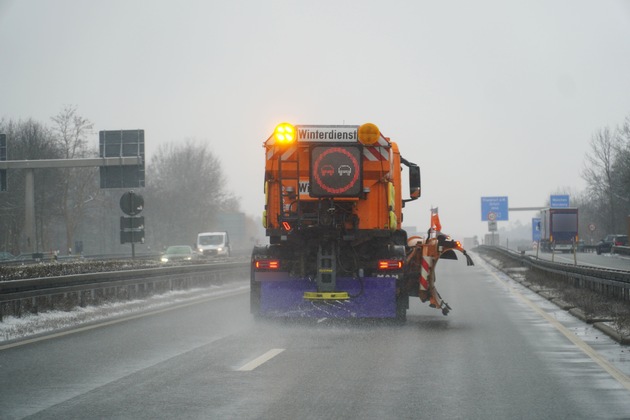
(414, 182)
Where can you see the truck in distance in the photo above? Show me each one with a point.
(559, 229)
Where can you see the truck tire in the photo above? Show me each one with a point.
(402, 303)
(254, 287)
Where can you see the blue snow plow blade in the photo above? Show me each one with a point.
(367, 297)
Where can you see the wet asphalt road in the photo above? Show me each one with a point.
(492, 357)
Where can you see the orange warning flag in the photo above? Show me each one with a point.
(435, 220)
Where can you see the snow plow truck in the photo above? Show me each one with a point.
(333, 215)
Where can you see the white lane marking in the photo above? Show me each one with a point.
(260, 360)
(619, 376)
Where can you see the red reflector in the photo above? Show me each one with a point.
(286, 226)
(267, 264)
(390, 264)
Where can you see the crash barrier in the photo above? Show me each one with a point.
(46, 257)
(622, 250)
(607, 282)
(18, 297)
(49, 257)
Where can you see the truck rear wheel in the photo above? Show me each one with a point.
(254, 287)
(402, 304)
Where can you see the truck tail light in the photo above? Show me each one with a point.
(390, 264)
(267, 264)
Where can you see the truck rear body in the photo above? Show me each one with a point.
(333, 214)
(559, 229)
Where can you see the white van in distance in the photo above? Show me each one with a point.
(213, 244)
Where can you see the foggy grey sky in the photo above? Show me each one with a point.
(490, 98)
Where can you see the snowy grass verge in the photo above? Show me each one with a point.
(31, 325)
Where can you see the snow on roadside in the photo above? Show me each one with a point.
(17, 328)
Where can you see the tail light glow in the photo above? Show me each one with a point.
(390, 264)
(267, 264)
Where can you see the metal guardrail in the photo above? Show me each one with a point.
(608, 282)
(66, 292)
(49, 257)
(44, 257)
(587, 248)
(623, 250)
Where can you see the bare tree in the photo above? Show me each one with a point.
(599, 175)
(79, 185)
(622, 169)
(28, 140)
(185, 190)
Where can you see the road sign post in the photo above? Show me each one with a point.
(132, 227)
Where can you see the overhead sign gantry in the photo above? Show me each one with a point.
(121, 164)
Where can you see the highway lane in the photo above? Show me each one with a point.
(494, 356)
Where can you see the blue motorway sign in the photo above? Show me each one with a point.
(536, 229)
(494, 209)
(559, 201)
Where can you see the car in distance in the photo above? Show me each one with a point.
(178, 253)
(606, 244)
(213, 244)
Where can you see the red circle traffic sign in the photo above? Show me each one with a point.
(131, 203)
(336, 171)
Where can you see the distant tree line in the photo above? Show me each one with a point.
(605, 203)
(185, 190)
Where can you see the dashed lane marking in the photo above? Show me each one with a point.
(260, 360)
